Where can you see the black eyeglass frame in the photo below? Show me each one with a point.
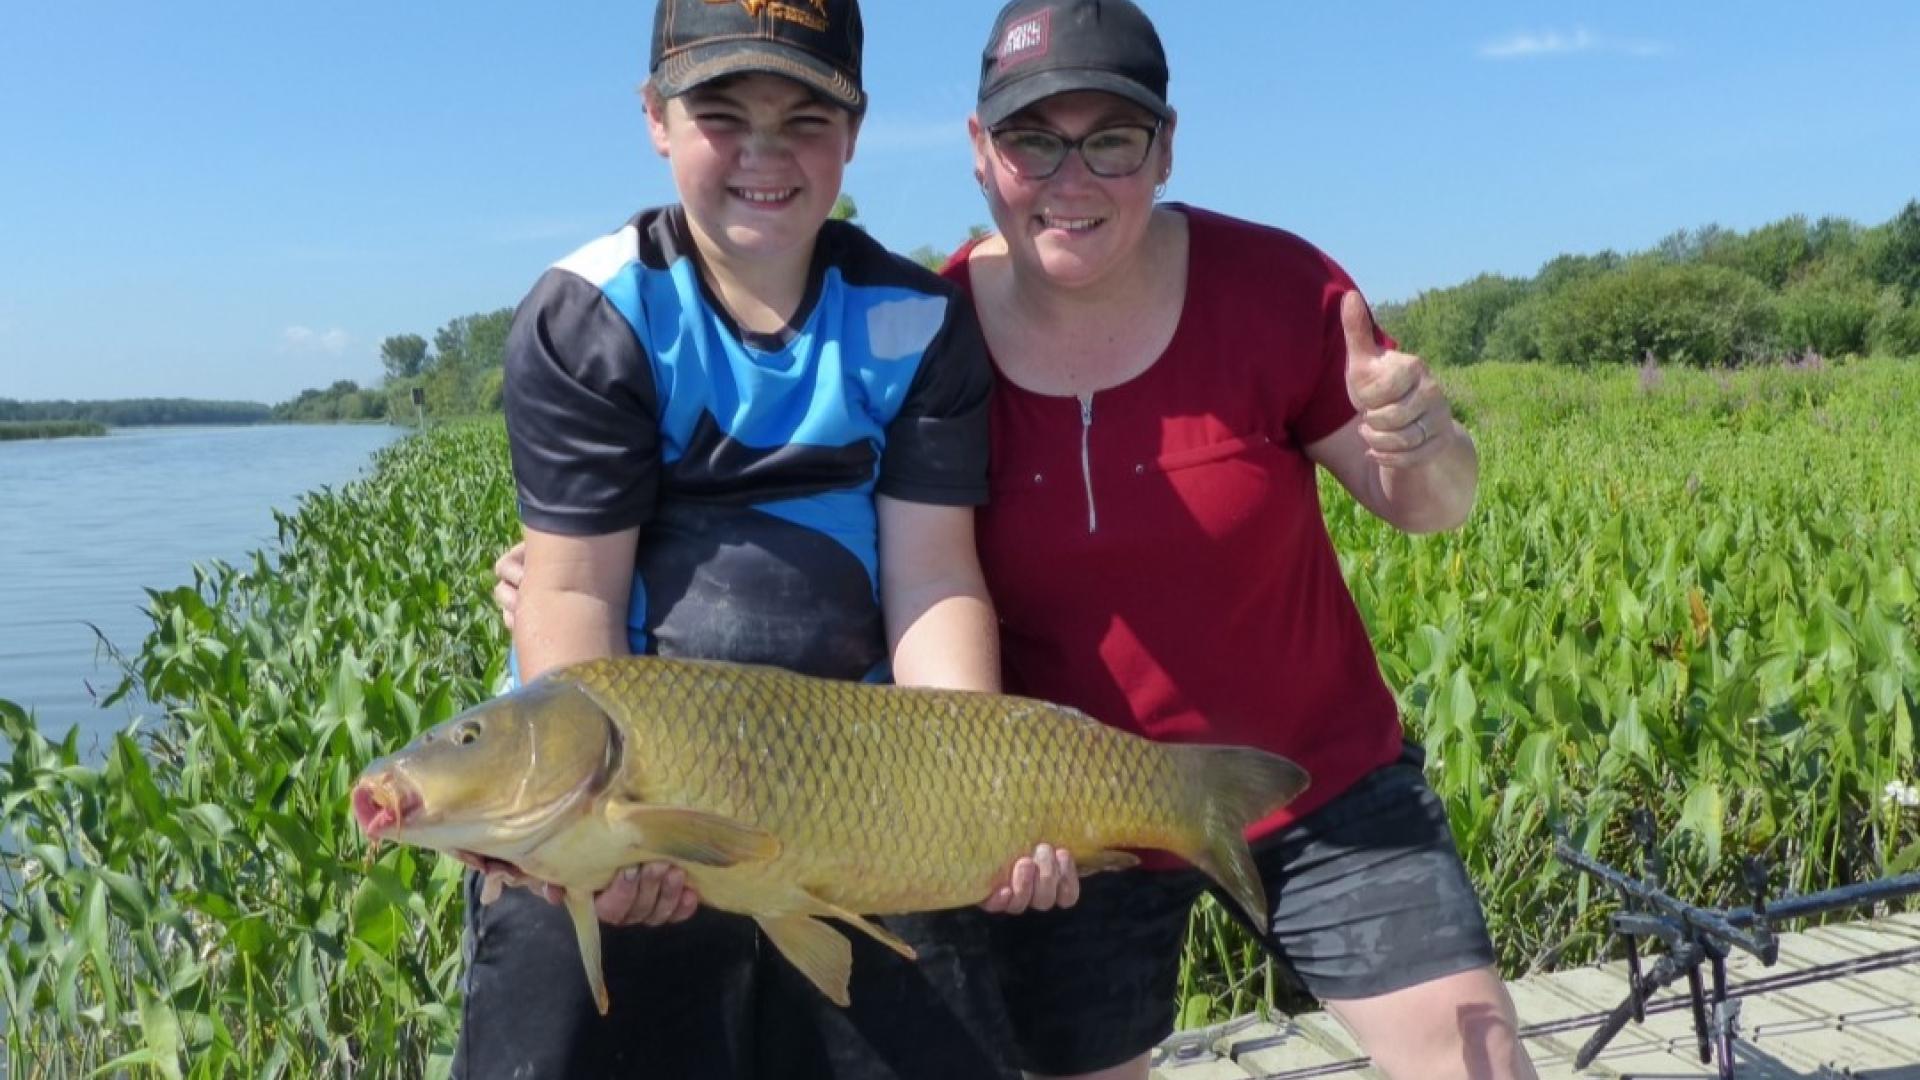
(1069, 146)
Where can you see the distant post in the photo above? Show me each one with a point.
(419, 406)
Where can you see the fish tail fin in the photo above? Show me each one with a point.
(1232, 787)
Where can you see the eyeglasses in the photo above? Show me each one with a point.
(1110, 152)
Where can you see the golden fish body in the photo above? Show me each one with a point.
(789, 798)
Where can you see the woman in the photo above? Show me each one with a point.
(1169, 379)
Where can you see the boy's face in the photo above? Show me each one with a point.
(757, 160)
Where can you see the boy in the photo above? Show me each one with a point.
(742, 432)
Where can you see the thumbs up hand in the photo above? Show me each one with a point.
(1405, 419)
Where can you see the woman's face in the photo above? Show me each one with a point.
(1074, 227)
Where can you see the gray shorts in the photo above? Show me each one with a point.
(1368, 893)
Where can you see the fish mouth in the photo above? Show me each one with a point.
(384, 803)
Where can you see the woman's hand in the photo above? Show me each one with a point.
(1403, 455)
(1405, 417)
(1045, 880)
(509, 570)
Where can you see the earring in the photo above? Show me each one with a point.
(1159, 191)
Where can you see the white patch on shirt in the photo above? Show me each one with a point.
(902, 328)
(602, 259)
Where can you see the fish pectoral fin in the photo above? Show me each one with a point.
(694, 836)
(586, 927)
(872, 929)
(823, 954)
(1100, 862)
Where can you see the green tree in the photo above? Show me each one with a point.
(1452, 326)
(1566, 270)
(1682, 313)
(1772, 254)
(844, 209)
(1896, 326)
(1896, 253)
(473, 341)
(404, 355)
(1831, 314)
(1516, 333)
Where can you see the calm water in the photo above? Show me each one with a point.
(86, 524)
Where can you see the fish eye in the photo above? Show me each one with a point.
(466, 733)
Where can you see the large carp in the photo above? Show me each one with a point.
(789, 799)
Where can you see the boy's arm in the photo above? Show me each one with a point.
(573, 600)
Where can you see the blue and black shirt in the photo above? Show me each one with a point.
(748, 461)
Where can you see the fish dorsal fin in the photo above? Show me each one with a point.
(693, 836)
(823, 954)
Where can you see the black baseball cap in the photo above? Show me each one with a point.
(1040, 48)
(813, 42)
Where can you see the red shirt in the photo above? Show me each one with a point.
(1181, 584)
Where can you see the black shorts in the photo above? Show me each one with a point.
(1368, 894)
(710, 998)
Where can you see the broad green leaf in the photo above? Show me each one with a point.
(1704, 815)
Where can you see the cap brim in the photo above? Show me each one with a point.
(699, 64)
(1014, 96)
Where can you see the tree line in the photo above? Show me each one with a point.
(1704, 297)
(135, 412)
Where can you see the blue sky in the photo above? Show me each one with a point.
(242, 199)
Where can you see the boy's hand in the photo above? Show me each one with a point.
(652, 895)
(656, 894)
(509, 570)
(1041, 882)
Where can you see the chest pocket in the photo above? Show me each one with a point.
(1196, 456)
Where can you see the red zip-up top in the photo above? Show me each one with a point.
(1156, 550)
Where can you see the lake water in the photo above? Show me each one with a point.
(87, 523)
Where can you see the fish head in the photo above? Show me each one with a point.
(496, 780)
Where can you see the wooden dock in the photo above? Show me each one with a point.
(1842, 1001)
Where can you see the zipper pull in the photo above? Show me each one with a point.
(1086, 462)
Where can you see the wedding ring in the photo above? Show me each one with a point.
(1422, 425)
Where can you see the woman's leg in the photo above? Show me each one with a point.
(1375, 915)
(1455, 1027)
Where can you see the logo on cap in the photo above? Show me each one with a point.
(1027, 40)
(813, 16)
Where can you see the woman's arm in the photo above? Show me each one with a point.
(940, 624)
(1430, 490)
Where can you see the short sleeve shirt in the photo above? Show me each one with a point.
(749, 462)
(1156, 551)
